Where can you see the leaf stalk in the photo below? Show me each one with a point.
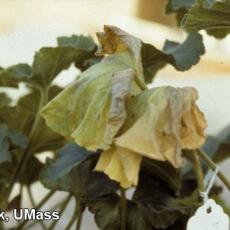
(211, 164)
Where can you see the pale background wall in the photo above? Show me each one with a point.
(25, 26)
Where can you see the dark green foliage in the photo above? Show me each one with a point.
(194, 15)
(181, 56)
(73, 171)
(10, 139)
(11, 76)
(218, 147)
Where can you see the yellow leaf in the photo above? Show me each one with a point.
(121, 165)
(161, 122)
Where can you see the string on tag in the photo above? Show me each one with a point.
(209, 182)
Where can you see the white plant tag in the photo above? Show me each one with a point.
(209, 216)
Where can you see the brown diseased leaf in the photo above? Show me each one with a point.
(163, 121)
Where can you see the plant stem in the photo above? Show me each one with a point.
(62, 209)
(32, 201)
(123, 206)
(212, 165)
(38, 206)
(29, 226)
(79, 209)
(27, 152)
(72, 220)
(199, 171)
(34, 204)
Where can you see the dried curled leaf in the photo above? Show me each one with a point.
(107, 109)
(92, 109)
(114, 40)
(121, 165)
(161, 122)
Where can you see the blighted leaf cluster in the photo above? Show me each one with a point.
(106, 129)
(109, 108)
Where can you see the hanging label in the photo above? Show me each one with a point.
(209, 216)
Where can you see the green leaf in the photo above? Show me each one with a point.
(152, 60)
(9, 139)
(175, 5)
(220, 201)
(188, 53)
(79, 42)
(4, 99)
(31, 172)
(82, 42)
(106, 212)
(157, 207)
(213, 16)
(164, 171)
(11, 76)
(179, 7)
(223, 152)
(68, 157)
(30, 101)
(46, 140)
(49, 62)
(4, 144)
(218, 147)
(152, 207)
(15, 203)
(178, 4)
(73, 171)
(10, 115)
(182, 56)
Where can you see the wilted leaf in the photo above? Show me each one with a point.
(212, 16)
(73, 171)
(161, 122)
(121, 165)
(92, 109)
(182, 56)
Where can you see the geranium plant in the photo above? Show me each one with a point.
(109, 131)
